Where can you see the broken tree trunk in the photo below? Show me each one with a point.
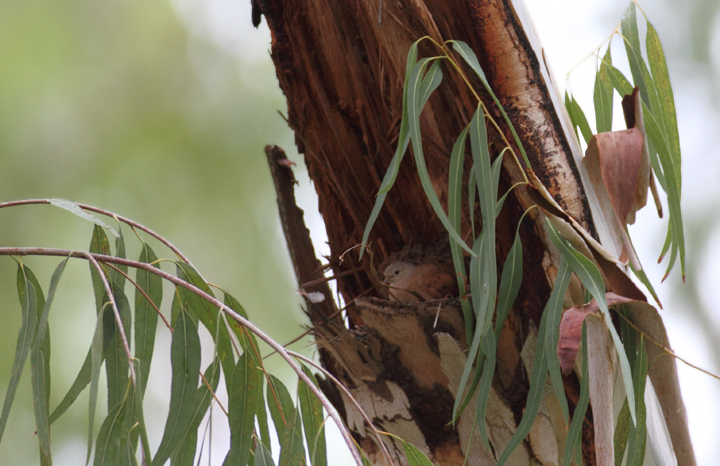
(341, 66)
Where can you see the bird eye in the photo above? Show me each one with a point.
(397, 271)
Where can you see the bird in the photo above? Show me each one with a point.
(413, 283)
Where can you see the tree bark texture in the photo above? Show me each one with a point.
(341, 66)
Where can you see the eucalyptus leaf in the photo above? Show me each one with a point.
(28, 307)
(244, 401)
(539, 371)
(146, 316)
(313, 425)
(185, 359)
(77, 210)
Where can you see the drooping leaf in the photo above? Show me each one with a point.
(510, 282)
(263, 457)
(107, 447)
(477, 335)
(577, 117)
(117, 365)
(457, 161)
(484, 289)
(244, 402)
(116, 276)
(312, 417)
(488, 371)
(603, 98)
(247, 339)
(287, 423)
(208, 314)
(28, 307)
(99, 244)
(574, 439)
(539, 372)
(146, 316)
(75, 209)
(554, 309)
(415, 105)
(81, 381)
(622, 430)
(638, 433)
(414, 456)
(403, 141)
(185, 358)
(99, 344)
(185, 455)
(471, 59)
(40, 365)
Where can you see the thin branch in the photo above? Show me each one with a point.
(666, 350)
(116, 311)
(5, 251)
(352, 400)
(117, 269)
(108, 214)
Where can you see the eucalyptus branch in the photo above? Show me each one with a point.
(111, 215)
(116, 311)
(21, 251)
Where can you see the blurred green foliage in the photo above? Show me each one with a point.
(124, 106)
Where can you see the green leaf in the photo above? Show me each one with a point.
(107, 447)
(484, 287)
(488, 370)
(99, 244)
(457, 160)
(414, 456)
(603, 97)
(472, 189)
(471, 59)
(539, 371)
(185, 455)
(510, 282)
(554, 309)
(638, 434)
(403, 141)
(116, 276)
(96, 358)
(40, 369)
(146, 316)
(75, 209)
(247, 339)
(622, 431)
(78, 385)
(185, 358)
(287, 423)
(312, 417)
(116, 360)
(28, 307)
(477, 335)
(415, 105)
(591, 278)
(577, 117)
(245, 400)
(574, 433)
(208, 314)
(661, 78)
(139, 416)
(263, 457)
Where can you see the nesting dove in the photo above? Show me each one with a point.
(411, 283)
